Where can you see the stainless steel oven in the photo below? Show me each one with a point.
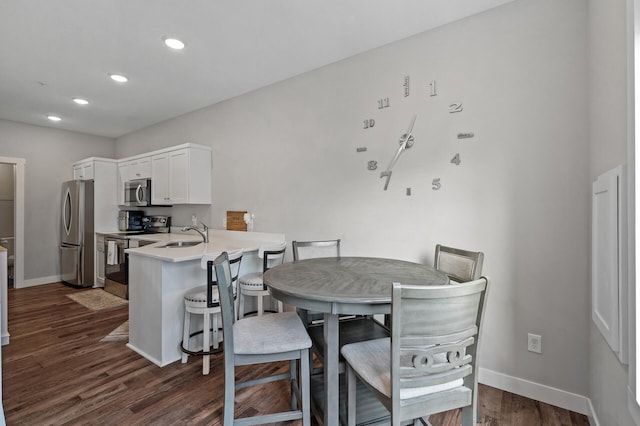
(116, 268)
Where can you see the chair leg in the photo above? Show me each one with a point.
(241, 305)
(351, 396)
(206, 332)
(469, 416)
(292, 379)
(305, 384)
(229, 395)
(260, 305)
(280, 307)
(216, 333)
(186, 330)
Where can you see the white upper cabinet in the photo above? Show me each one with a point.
(181, 176)
(140, 168)
(83, 170)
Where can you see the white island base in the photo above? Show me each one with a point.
(159, 278)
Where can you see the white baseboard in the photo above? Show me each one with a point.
(559, 398)
(38, 281)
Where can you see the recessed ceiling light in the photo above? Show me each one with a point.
(81, 101)
(119, 78)
(173, 43)
(54, 118)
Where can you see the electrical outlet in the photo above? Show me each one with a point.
(534, 343)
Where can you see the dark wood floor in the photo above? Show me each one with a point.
(56, 372)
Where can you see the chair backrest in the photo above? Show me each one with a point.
(314, 249)
(460, 265)
(435, 337)
(219, 270)
(235, 258)
(271, 255)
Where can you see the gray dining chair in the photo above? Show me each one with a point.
(256, 340)
(430, 362)
(313, 250)
(204, 300)
(252, 284)
(460, 265)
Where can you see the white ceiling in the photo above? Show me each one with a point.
(52, 51)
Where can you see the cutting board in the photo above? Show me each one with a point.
(235, 221)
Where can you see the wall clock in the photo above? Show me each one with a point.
(401, 147)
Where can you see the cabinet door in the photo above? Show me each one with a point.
(83, 171)
(179, 176)
(160, 179)
(140, 168)
(77, 172)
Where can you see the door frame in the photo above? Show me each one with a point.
(18, 221)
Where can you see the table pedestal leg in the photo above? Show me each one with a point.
(331, 370)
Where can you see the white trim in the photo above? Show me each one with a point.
(559, 398)
(593, 419)
(41, 281)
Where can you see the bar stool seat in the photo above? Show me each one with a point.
(204, 300)
(252, 284)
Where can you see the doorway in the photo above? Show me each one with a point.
(7, 210)
(17, 167)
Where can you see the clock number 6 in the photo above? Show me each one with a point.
(435, 185)
(456, 159)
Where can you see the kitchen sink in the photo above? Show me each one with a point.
(177, 244)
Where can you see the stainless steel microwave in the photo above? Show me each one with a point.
(137, 193)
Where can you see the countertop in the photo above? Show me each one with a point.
(219, 241)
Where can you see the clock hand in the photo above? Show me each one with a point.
(404, 144)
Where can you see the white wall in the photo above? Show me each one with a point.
(49, 154)
(608, 148)
(287, 153)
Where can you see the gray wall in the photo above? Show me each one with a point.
(49, 154)
(287, 153)
(608, 146)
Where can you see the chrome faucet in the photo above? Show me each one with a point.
(204, 232)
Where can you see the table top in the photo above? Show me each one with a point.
(349, 280)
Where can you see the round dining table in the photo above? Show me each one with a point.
(343, 285)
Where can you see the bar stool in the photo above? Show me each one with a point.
(252, 284)
(204, 300)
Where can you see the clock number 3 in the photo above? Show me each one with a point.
(456, 159)
(435, 184)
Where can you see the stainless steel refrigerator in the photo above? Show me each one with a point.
(76, 243)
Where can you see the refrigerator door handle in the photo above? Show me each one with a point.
(66, 212)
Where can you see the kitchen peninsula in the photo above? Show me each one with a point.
(159, 276)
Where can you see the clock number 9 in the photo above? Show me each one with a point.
(456, 159)
(435, 184)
